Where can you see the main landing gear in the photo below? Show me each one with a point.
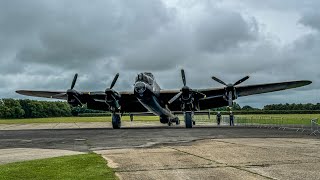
(116, 121)
(188, 119)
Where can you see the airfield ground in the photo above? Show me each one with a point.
(148, 150)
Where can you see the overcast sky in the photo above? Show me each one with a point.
(44, 42)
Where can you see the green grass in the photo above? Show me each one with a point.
(87, 166)
(279, 118)
(74, 119)
(267, 118)
(255, 118)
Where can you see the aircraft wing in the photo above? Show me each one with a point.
(44, 94)
(264, 88)
(95, 99)
(214, 96)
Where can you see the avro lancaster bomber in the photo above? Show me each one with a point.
(147, 96)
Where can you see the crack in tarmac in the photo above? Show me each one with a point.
(226, 165)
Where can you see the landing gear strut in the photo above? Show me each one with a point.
(188, 119)
(116, 121)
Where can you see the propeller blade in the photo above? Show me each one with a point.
(115, 101)
(183, 77)
(114, 80)
(241, 80)
(230, 102)
(77, 99)
(218, 80)
(174, 98)
(74, 81)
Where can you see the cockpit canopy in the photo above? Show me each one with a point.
(146, 77)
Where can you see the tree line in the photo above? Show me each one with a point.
(291, 107)
(274, 107)
(25, 108)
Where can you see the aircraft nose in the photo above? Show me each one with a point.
(140, 87)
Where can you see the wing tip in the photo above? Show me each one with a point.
(308, 82)
(305, 82)
(20, 91)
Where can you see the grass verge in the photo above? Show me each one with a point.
(85, 166)
(253, 118)
(74, 119)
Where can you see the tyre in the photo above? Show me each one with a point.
(177, 121)
(188, 119)
(116, 121)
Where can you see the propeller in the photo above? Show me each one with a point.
(114, 81)
(74, 80)
(185, 90)
(69, 91)
(111, 95)
(183, 75)
(230, 88)
(73, 93)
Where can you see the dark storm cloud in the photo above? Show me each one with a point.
(284, 5)
(44, 43)
(219, 30)
(311, 19)
(182, 41)
(71, 33)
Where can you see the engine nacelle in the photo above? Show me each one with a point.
(112, 99)
(74, 98)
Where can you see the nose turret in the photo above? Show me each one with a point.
(140, 87)
(143, 86)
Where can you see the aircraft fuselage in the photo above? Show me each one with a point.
(147, 91)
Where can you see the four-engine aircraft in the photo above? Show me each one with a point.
(148, 96)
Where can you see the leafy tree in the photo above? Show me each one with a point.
(11, 108)
(246, 107)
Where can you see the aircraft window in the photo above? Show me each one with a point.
(144, 78)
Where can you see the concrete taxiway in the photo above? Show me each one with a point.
(241, 158)
(154, 151)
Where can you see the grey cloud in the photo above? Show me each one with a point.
(163, 52)
(284, 5)
(221, 29)
(74, 33)
(182, 43)
(311, 19)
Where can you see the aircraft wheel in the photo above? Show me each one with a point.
(188, 119)
(116, 121)
(177, 121)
